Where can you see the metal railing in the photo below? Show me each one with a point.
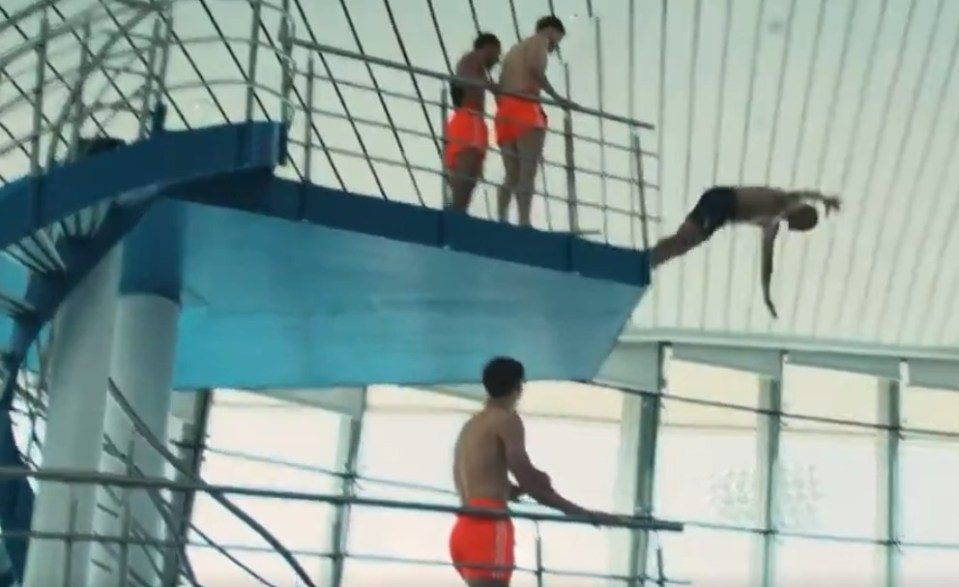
(77, 69)
(186, 476)
(171, 547)
(75, 73)
(129, 484)
(419, 152)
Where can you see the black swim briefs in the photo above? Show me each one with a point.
(715, 208)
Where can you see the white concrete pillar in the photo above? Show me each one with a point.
(142, 368)
(79, 368)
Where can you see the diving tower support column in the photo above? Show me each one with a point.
(79, 369)
(148, 312)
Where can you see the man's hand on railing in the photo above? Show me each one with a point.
(601, 519)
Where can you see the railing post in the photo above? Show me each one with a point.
(641, 183)
(38, 93)
(286, 61)
(78, 105)
(444, 179)
(68, 542)
(348, 462)
(253, 57)
(604, 197)
(154, 56)
(890, 529)
(571, 202)
(189, 457)
(539, 555)
(164, 55)
(123, 548)
(660, 566)
(308, 126)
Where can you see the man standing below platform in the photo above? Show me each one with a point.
(467, 137)
(491, 445)
(521, 122)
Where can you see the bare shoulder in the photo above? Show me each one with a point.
(536, 45)
(469, 63)
(506, 421)
(538, 41)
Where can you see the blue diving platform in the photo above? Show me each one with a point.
(290, 284)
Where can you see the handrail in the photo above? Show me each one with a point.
(70, 25)
(112, 480)
(322, 48)
(144, 431)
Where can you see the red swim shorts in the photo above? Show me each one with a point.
(515, 117)
(482, 548)
(466, 129)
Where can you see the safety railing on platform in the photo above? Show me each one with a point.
(408, 156)
(75, 69)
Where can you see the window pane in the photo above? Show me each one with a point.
(396, 398)
(402, 534)
(804, 562)
(808, 391)
(568, 399)
(581, 458)
(411, 447)
(707, 558)
(829, 481)
(930, 479)
(363, 571)
(707, 475)
(212, 568)
(930, 409)
(929, 566)
(306, 439)
(409, 457)
(929, 468)
(704, 384)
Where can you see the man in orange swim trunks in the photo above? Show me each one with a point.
(467, 137)
(491, 445)
(521, 122)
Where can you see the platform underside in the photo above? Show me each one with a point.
(274, 303)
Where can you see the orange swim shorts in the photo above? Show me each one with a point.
(482, 548)
(515, 117)
(466, 129)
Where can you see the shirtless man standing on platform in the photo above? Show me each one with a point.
(492, 445)
(467, 137)
(764, 207)
(521, 123)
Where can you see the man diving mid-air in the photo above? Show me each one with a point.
(760, 206)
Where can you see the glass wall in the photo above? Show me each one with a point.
(829, 451)
(706, 473)
(829, 477)
(256, 441)
(930, 470)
